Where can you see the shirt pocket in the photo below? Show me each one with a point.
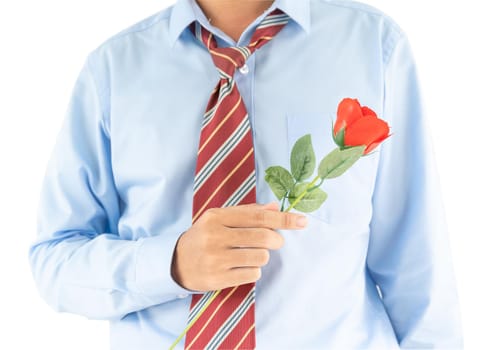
(349, 202)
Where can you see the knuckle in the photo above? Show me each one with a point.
(209, 215)
(210, 239)
(260, 217)
(287, 220)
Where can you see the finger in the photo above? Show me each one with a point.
(272, 206)
(243, 275)
(269, 206)
(254, 238)
(258, 216)
(247, 258)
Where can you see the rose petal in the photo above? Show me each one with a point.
(348, 112)
(366, 131)
(374, 144)
(367, 112)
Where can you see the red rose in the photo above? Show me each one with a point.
(358, 126)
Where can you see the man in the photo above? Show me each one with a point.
(127, 234)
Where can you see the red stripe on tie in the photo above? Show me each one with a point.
(222, 171)
(221, 196)
(249, 198)
(231, 103)
(195, 299)
(216, 141)
(212, 325)
(240, 330)
(209, 313)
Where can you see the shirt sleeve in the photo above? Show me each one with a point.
(409, 255)
(79, 262)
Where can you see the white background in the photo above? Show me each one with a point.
(42, 47)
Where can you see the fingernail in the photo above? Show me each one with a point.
(301, 221)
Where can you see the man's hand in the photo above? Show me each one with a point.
(227, 247)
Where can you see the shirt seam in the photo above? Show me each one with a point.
(364, 8)
(98, 97)
(395, 43)
(358, 6)
(134, 30)
(389, 53)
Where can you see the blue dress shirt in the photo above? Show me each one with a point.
(372, 270)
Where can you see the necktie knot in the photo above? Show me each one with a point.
(228, 59)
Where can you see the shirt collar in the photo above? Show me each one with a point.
(183, 15)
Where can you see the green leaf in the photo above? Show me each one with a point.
(279, 180)
(339, 161)
(303, 158)
(311, 201)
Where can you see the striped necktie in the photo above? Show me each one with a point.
(225, 176)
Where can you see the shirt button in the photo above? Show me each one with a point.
(182, 296)
(244, 69)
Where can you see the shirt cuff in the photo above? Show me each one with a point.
(153, 268)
